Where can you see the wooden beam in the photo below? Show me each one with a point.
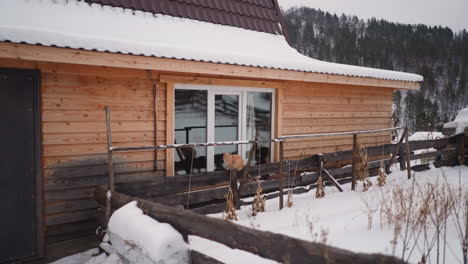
(281, 248)
(221, 81)
(170, 128)
(67, 55)
(353, 183)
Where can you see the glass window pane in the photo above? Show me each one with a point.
(226, 126)
(259, 121)
(190, 121)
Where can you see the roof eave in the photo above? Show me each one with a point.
(96, 58)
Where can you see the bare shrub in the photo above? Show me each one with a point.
(382, 179)
(362, 170)
(419, 214)
(230, 208)
(320, 191)
(289, 202)
(259, 201)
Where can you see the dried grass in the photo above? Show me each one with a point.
(259, 201)
(362, 170)
(230, 208)
(320, 191)
(289, 202)
(418, 214)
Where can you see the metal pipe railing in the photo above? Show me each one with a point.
(244, 142)
(340, 133)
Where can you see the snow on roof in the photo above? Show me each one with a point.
(79, 25)
(460, 122)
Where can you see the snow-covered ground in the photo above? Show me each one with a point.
(342, 220)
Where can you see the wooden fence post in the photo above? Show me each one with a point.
(233, 185)
(246, 169)
(110, 165)
(460, 148)
(353, 183)
(408, 154)
(401, 152)
(281, 169)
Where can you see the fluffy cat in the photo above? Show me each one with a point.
(233, 161)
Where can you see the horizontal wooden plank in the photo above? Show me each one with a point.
(96, 159)
(99, 92)
(71, 217)
(54, 184)
(94, 170)
(76, 80)
(70, 206)
(117, 126)
(332, 90)
(338, 114)
(98, 104)
(298, 122)
(55, 196)
(81, 226)
(324, 107)
(338, 100)
(84, 149)
(84, 115)
(221, 81)
(101, 137)
(75, 69)
(334, 143)
(330, 129)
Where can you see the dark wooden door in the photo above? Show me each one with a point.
(19, 175)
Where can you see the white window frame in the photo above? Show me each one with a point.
(213, 90)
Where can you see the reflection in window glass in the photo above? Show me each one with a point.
(259, 116)
(190, 121)
(226, 126)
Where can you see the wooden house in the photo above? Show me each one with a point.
(170, 71)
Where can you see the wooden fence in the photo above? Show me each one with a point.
(163, 199)
(207, 190)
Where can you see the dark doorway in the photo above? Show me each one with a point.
(20, 180)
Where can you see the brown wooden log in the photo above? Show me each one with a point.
(281, 169)
(332, 180)
(266, 244)
(395, 153)
(407, 155)
(245, 172)
(353, 184)
(460, 147)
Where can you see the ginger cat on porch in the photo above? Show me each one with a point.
(233, 161)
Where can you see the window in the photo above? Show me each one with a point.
(219, 113)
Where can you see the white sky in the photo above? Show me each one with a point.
(451, 13)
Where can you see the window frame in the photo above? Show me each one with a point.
(213, 90)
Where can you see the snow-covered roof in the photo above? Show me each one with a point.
(79, 25)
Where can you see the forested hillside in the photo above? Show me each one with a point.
(437, 53)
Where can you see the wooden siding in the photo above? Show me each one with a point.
(74, 136)
(310, 108)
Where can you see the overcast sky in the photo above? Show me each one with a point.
(451, 13)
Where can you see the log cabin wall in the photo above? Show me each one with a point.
(310, 108)
(74, 136)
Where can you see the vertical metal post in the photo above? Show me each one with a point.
(281, 169)
(408, 154)
(353, 183)
(110, 165)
